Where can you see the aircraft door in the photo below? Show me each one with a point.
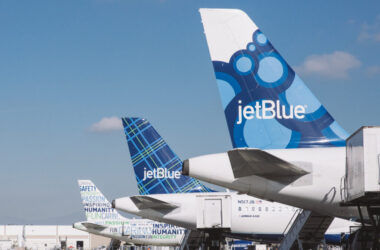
(212, 213)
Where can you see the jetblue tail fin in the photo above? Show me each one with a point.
(266, 104)
(157, 167)
(97, 208)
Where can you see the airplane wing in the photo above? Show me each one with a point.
(146, 202)
(94, 226)
(248, 161)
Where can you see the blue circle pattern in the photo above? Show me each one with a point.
(244, 64)
(262, 74)
(260, 38)
(272, 70)
(251, 47)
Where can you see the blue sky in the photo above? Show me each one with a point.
(66, 65)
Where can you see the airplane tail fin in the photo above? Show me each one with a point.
(97, 208)
(266, 104)
(157, 167)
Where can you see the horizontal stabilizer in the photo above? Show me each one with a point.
(93, 226)
(246, 162)
(146, 202)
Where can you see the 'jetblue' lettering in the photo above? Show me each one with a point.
(160, 173)
(269, 110)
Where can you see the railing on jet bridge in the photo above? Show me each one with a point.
(292, 235)
(290, 223)
(184, 239)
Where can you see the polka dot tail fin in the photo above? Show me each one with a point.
(265, 102)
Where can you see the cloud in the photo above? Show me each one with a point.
(370, 31)
(373, 70)
(107, 124)
(334, 65)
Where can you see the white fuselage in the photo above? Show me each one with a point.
(319, 191)
(139, 232)
(247, 215)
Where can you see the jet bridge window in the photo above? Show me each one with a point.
(378, 164)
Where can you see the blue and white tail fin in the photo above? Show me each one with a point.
(157, 167)
(266, 104)
(97, 208)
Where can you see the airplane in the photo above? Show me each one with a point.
(168, 196)
(287, 147)
(105, 221)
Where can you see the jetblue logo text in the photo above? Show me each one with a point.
(269, 110)
(161, 173)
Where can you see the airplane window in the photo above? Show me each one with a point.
(273, 209)
(279, 209)
(253, 209)
(239, 208)
(266, 209)
(259, 209)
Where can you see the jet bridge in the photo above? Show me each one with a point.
(363, 167)
(360, 186)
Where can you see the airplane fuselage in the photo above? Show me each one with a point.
(319, 191)
(249, 216)
(139, 232)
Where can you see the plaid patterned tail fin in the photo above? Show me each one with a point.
(157, 167)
